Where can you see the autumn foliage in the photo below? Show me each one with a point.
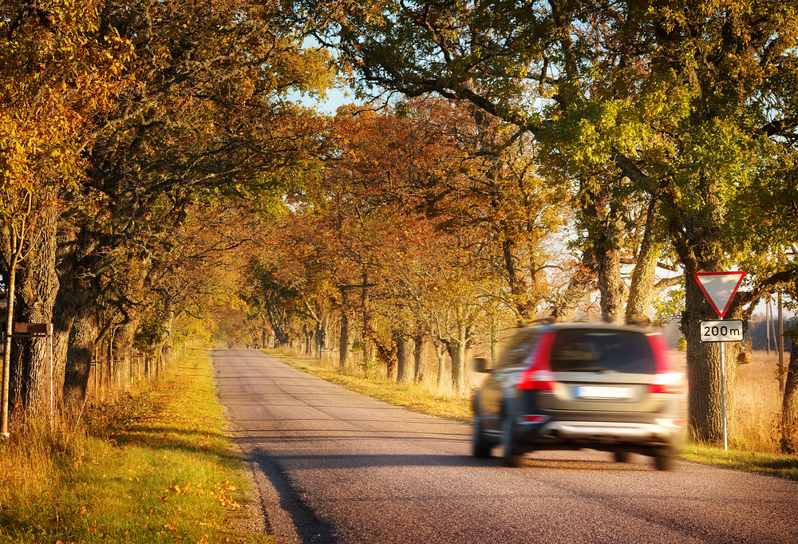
(568, 160)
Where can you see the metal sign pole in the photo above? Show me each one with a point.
(723, 395)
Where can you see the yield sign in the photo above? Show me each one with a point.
(719, 288)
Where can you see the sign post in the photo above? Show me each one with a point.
(719, 289)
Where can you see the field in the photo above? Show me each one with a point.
(755, 414)
(152, 467)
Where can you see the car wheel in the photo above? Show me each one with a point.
(480, 447)
(510, 455)
(621, 456)
(663, 460)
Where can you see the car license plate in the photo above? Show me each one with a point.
(597, 392)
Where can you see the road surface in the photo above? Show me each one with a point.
(336, 466)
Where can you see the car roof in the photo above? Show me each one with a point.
(591, 325)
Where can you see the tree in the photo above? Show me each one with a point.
(122, 120)
(692, 105)
(207, 119)
(49, 56)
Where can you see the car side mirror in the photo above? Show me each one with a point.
(480, 364)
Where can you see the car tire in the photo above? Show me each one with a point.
(510, 455)
(620, 456)
(480, 447)
(663, 460)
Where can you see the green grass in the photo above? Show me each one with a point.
(168, 475)
(421, 400)
(410, 396)
(774, 464)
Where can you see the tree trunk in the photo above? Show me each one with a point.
(38, 287)
(440, 354)
(780, 342)
(111, 364)
(518, 288)
(403, 374)
(582, 282)
(79, 354)
(457, 353)
(319, 336)
(767, 325)
(123, 346)
(789, 406)
(419, 343)
(641, 289)
(609, 279)
(366, 321)
(74, 318)
(343, 340)
(602, 220)
(387, 354)
(308, 348)
(704, 371)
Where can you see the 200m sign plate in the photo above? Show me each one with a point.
(722, 331)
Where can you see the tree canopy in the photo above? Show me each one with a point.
(513, 161)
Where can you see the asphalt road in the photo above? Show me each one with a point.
(336, 466)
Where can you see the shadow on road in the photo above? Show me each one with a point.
(313, 462)
(310, 529)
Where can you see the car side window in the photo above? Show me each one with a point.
(518, 349)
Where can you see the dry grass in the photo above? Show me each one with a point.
(754, 424)
(773, 464)
(757, 409)
(413, 397)
(754, 419)
(153, 467)
(32, 463)
(376, 370)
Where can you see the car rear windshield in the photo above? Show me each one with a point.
(600, 350)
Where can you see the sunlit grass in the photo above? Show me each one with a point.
(410, 396)
(169, 475)
(775, 464)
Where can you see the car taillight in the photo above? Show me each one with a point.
(538, 376)
(533, 418)
(669, 382)
(665, 380)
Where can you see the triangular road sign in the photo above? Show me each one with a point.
(719, 288)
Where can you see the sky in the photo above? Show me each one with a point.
(335, 97)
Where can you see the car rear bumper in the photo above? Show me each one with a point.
(551, 434)
(609, 431)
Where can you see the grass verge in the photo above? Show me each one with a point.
(420, 400)
(773, 464)
(410, 396)
(167, 474)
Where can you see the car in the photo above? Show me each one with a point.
(568, 386)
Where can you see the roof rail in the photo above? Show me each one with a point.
(542, 321)
(638, 320)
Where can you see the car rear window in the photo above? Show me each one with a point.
(518, 348)
(600, 350)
